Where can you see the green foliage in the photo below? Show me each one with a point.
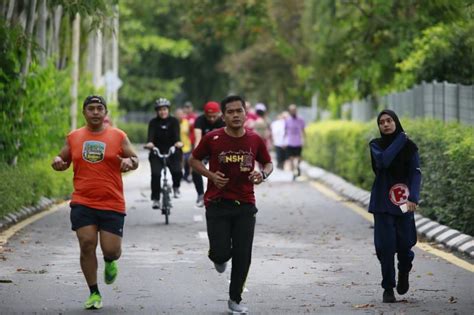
(24, 185)
(446, 156)
(136, 132)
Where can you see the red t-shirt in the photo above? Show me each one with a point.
(97, 176)
(235, 157)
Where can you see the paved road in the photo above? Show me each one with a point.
(312, 254)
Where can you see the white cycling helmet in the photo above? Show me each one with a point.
(162, 102)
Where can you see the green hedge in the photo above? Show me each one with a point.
(24, 185)
(137, 132)
(446, 155)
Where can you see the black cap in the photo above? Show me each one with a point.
(94, 99)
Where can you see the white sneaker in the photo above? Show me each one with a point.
(200, 201)
(236, 308)
(156, 204)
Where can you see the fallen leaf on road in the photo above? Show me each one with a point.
(363, 305)
(329, 305)
(453, 300)
(429, 274)
(337, 238)
(5, 281)
(180, 252)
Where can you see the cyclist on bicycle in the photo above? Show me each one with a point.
(163, 133)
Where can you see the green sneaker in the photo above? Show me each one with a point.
(94, 302)
(110, 272)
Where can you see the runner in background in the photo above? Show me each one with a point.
(210, 120)
(186, 149)
(280, 141)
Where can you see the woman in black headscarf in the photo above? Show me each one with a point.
(393, 200)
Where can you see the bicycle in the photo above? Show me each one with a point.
(165, 188)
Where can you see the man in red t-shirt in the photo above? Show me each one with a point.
(230, 199)
(99, 154)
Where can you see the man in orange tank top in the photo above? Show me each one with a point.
(99, 154)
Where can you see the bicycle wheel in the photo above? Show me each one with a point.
(166, 202)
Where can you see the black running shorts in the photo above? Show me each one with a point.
(106, 220)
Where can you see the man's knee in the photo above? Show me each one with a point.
(88, 245)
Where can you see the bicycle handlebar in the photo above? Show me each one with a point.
(158, 153)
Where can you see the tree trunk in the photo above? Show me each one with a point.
(11, 7)
(57, 16)
(29, 31)
(76, 34)
(115, 49)
(41, 31)
(97, 72)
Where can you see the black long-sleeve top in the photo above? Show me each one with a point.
(164, 133)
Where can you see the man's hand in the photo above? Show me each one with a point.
(149, 145)
(126, 164)
(256, 177)
(219, 179)
(179, 144)
(411, 206)
(59, 164)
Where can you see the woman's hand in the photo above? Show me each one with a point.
(411, 206)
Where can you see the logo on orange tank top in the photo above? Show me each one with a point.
(93, 151)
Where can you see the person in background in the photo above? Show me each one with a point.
(186, 149)
(262, 126)
(279, 138)
(191, 117)
(210, 120)
(250, 116)
(294, 131)
(393, 200)
(163, 133)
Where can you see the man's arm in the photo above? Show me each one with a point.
(217, 178)
(129, 159)
(62, 161)
(197, 136)
(258, 177)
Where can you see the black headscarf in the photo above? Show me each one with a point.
(399, 167)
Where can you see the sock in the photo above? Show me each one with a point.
(108, 260)
(94, 289)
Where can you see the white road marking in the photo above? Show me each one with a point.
(197, 218)
(202, 235)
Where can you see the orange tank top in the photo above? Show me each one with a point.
(97, 177)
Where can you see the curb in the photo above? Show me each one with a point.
(432, 230)
(25, 212)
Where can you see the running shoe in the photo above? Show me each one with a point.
(200, 201)
(236, 308)
(110, 272)
(94, 302)
(156, 204)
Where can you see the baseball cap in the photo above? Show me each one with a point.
(260, 106)
(212, 107)
(92, 99)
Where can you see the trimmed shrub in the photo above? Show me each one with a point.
(446, 156)
(24, 185)
(137, 132)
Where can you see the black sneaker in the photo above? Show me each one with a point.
(389, 296)
(220, 267)
(403, 283)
